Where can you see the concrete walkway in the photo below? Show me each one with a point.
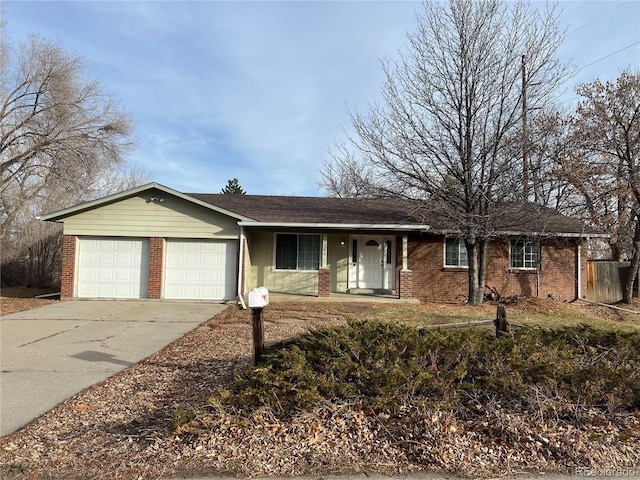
(51, 353)
(340, 298)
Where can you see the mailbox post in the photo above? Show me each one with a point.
(258, 299)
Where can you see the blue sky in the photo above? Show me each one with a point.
(258, 90)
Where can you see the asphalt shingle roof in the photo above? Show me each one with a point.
(266, 208)
(525, 218)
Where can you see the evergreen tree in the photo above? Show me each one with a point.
(233, 187)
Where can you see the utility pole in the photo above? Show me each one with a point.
(525, 140)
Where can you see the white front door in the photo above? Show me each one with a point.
(367, 266)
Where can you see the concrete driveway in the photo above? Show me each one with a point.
(51, 353)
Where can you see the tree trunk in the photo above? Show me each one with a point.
(627, 289)
(477, 255)
(617, 254)
(482, 273)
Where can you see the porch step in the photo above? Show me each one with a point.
(369, 291)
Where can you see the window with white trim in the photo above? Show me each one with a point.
(523, 254)
(455, 253)
(297, 251)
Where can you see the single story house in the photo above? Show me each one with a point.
(157, 243)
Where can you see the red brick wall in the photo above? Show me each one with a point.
(433, 282)
(154, 287)
(404, 283)
(559, 276)
(68, 273)
(324, 282)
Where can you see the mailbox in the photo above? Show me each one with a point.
(258, 297)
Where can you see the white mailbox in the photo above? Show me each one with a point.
(258, 297)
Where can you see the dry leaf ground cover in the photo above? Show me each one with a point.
(17, 299)
(171, 415)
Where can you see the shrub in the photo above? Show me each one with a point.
(562, 373)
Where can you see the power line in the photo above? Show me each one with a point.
(598, 18)
(596, 61)
(607, 56)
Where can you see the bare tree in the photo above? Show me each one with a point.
(549, 142)
(62, 141)
(56, 126)
(607, 175)
(345, 175)
(452, 105)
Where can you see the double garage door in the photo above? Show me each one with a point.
(192, 270)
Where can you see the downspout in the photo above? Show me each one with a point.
(240, 269)
(579, 289)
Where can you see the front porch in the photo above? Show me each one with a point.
(306, 263)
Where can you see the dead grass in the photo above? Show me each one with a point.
(540, 312)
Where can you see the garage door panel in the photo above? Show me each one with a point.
(126, 259)
(126, 275)
(102, 275)
(212, 277)
(113, 268)
(209, 261)
(190, 276)
(200, 269)
(174, 261)
(106, 258)
(191, 260)
(172, 276)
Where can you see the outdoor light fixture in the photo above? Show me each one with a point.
(156, 200)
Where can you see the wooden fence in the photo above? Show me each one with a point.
(605, 279)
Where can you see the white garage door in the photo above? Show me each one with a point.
(200, 269)
(113, 267)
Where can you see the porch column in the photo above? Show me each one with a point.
(405, 276)
(324, 258)
(324, 272)
(405, 252)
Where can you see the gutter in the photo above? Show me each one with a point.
(579, 292)
(514, 233)
(338, 226)
(410, 228)
(240, 260)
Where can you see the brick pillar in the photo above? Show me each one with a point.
(154, 286)
(67, 276)
(324, 282)
(405, 283)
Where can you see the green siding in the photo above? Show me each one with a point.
(261, 272)
(137, 217)
(338, 259)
